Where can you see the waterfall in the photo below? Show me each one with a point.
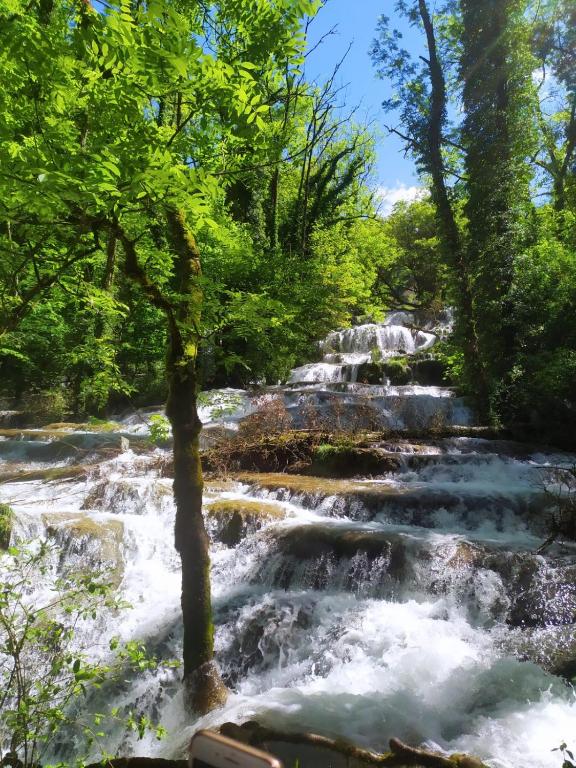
(411, 603)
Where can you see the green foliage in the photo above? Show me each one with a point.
(412, 270)
(46, 406)
(497, 132)
(221, 404)
(375, 355)
(6, 521)
(540, 389)
(102, 425)
(449, 352)
(44, 668)
(159, 429)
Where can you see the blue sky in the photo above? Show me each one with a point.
(355, 22)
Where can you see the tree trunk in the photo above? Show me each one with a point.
(450, 233)
(204, 688)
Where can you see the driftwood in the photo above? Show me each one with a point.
(139, 762)
(400, 754)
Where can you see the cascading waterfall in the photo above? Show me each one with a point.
(412, 604)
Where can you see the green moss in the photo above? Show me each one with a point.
(245, 508)
(6, 521)
(101, 425)
(398, 370)
(320, 486)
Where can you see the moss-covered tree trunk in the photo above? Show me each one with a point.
(204, 688)
(450, 233)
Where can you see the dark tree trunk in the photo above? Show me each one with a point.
(203, 685)
(453, 245)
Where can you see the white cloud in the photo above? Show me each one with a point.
(389, 196)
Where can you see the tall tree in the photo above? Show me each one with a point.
(420, 86)
(495, 68)
(122, 123)
(554, 45)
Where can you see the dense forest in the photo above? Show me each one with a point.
(183, 209)
(126, 122)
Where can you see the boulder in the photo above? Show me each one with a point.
(95, 545)
(231, 520)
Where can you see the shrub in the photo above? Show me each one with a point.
(159, 429)
(6, 519)
(45, 670)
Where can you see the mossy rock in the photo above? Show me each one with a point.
(231, 520)
(98, 425)
(76, 533)
(320, 545)
(6, 522)
(370, 373)
(43, 435)
(342, 460)
(73, 472)
(398, 371)
(316, 486)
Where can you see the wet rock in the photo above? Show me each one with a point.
(43, 446)
(127, 496)
(413, 505)
(398, 371)
(231, 520)
(94, 545)
(552, 648)
(466, 556)
(331, 557)
(262, 638)
(11, 419)
(429, 372)
(549, 601)
(371, 373)
(69, 472)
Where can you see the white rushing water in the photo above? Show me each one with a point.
(403, 605)
(342, 648)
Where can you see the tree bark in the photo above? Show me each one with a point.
(401, 755)
(204, 689)
(454, 247)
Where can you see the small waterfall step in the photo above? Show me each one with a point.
(461, 505)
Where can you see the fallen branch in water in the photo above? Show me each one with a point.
(400, 754)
